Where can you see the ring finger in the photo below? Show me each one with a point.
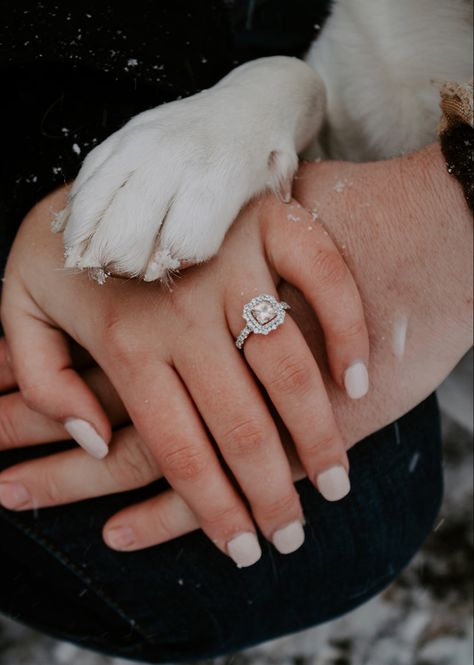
(286, 367)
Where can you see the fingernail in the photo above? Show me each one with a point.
(334, 483)
(244, 550)
(356, 380)
(289, 539)
(14, 495)
(86, 436)
(120, 537)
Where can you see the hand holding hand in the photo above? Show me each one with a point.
(387, 218)
(167, 353)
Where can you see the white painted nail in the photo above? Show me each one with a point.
(356, 380)
(244, 549)
(86, 436)
(334, 483)
(289, 538)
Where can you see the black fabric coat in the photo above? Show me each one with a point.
(71, 73)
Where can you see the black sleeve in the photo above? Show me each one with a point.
(72, 73)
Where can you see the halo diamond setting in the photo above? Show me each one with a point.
(263, 315)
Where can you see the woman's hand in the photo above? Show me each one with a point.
(408, 238)
(167, 353)
(74, 475)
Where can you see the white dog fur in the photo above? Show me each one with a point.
(165, 188)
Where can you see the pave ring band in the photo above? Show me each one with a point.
(263, 314)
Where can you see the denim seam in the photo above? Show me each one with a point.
(77, 572)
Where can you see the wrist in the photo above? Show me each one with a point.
(405, 233)
(438, 221)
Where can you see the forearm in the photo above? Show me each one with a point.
(406, 233)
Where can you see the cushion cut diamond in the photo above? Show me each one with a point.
(264, 312)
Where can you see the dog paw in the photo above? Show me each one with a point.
(162, 191)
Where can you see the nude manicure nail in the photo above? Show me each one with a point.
(356, 380)
(14, 495)
(244, 550)
(334, 483)
(289, 538)
(120, 537)
(86, 436)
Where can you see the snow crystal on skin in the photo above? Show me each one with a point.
(341, 185)
(57, 224)
(293, 218)
(99, 275)
(399, 336)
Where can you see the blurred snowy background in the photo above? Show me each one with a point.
(425, 618)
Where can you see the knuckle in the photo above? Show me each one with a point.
(8, 429)
(133, 465)
(51, 490)
(116, 337)
(283, 505)
(290, 375)
(244, 439)
(34, 397)
(330, 268)
(164, 525)
(184, 462)
(120, 340)
(324, 445)
(353, 331)
(222, 515)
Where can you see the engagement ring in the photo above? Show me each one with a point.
(263, 314)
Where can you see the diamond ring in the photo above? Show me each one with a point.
(263, 314)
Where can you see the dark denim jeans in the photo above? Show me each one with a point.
(185, 600)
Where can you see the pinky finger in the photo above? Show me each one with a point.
(152, 522)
